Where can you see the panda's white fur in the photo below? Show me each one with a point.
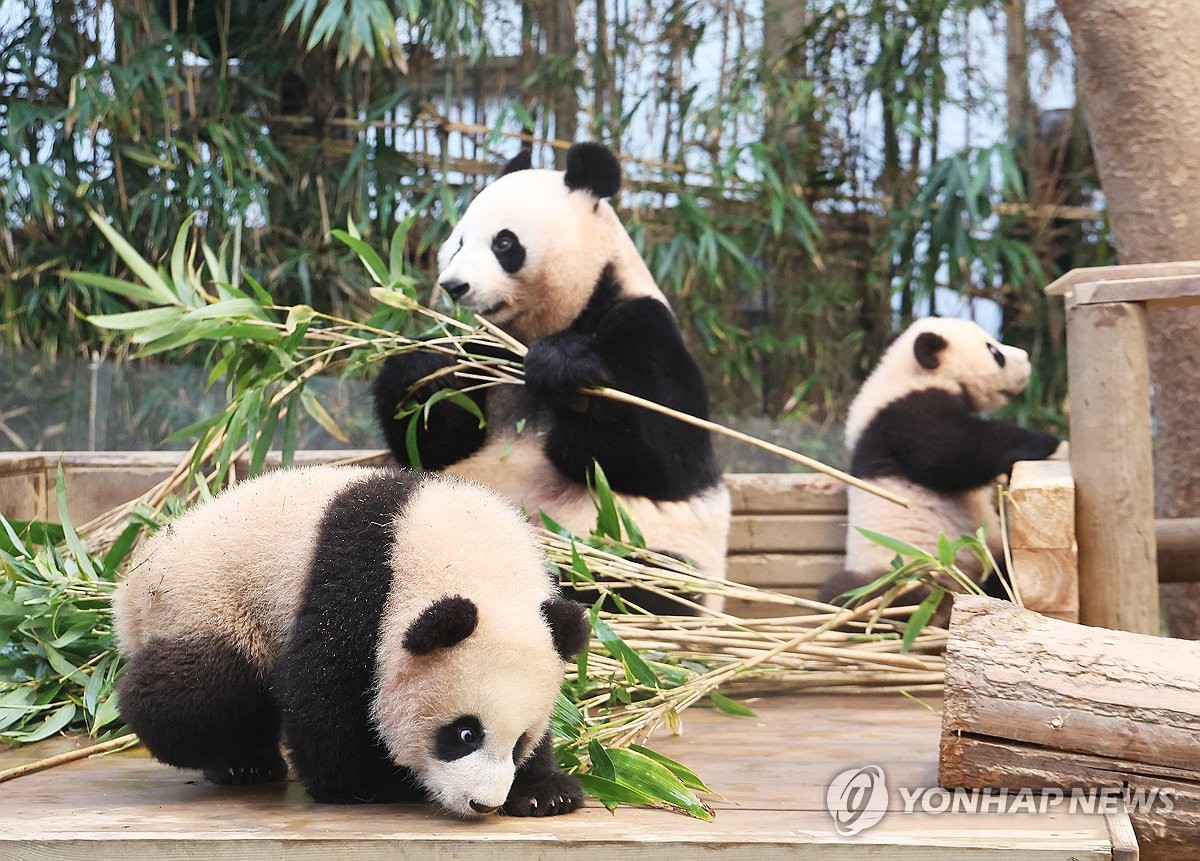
(235, 573)
(914, 429)
(583, 300)
(697, 528)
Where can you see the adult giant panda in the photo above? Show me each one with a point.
(342, 604)
(914, 428)
(542, 255)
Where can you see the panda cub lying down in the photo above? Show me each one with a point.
(342, 606)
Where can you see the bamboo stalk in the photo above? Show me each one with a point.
(816, 465)
(69, 756)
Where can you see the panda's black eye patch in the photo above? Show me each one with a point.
(996, 354)
(509, 251)
(459, 738)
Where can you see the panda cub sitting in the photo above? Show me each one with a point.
(341, 606)
(914, 428)
(542, 255)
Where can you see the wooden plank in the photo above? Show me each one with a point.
(778, 570)
(785, 493)
(1041, 519)
(1171, 290)
(1035, 702)
(773, 533)
(1109, 378)
(1121, 833)
(99, 481)
(773, 777)
(1093, 274)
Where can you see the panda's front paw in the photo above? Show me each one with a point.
(401, 372)
(560, 365)
(1039, 446)
(547, 795)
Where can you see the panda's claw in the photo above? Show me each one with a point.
(549, 795)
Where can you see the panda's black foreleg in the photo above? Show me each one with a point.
(201, 704)
(323, 693)
(541, 788)
(447, 434)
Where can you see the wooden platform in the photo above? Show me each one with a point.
(773, 771)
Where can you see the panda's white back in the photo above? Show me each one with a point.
(190, 579)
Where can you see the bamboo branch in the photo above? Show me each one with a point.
(69, 756)
(816, 465)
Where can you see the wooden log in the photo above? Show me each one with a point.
(1044, 704)
(1109, 377)
(1041, 519)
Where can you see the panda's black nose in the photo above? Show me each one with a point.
(484, 808)
(456, 287)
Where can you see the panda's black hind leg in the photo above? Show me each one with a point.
(201, 704)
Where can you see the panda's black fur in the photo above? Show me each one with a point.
(313, 670)
(617, 334)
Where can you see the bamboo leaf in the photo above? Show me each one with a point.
(729, 706)
(113, 285)
(136, 319)
(136, 263)
(896, 545)
(55, 722)
(920, 618)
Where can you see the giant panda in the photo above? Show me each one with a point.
(342, 606)
(915, 428)
(542, 255)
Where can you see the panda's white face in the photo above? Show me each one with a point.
(528, 252)
(463, 706)
(937, 352)
(466, 740)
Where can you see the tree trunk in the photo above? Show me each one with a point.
(1139, 74)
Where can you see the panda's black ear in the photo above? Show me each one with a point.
(593, 168)
(568, 625)
(926, 349)
(521, 161)
(445, 622)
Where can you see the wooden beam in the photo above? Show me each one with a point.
(1094, 274)
(1109, 378)
(1168, 290)
(1037, 703)
(1041, 519)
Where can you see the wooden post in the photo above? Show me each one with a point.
(1036, 703)
(1041, 521)
(1109, 378)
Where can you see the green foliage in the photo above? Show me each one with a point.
(938, 571)
(780, 226)
(59, 660)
